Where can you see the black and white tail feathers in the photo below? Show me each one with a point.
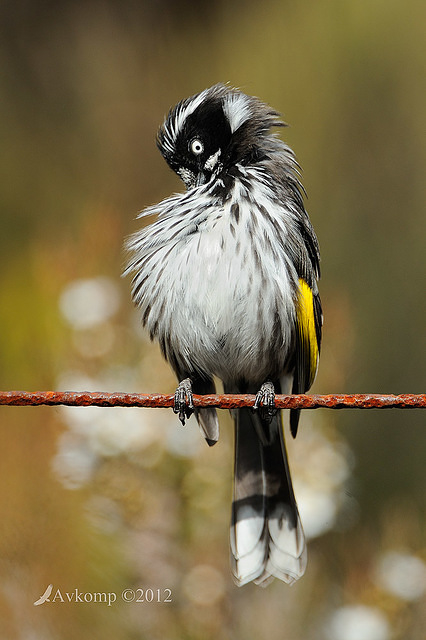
(267, 538)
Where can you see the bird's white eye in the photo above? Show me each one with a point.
(196, 146)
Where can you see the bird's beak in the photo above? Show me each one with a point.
(201, 179)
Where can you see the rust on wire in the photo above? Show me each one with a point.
(227, 401)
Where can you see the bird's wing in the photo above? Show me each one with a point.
(308, 341)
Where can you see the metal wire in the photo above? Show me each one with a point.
(228, 401)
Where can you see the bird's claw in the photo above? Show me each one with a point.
(183, 401)
(265, 401)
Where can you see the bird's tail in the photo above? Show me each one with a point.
(267, 538)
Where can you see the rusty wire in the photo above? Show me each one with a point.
(228, 401)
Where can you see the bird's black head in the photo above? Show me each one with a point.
(210, 132)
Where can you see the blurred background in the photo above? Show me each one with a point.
(102, 500)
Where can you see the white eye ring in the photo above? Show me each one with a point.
(196, 147)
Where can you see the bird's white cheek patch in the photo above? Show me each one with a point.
(212, 161)
(187, 176)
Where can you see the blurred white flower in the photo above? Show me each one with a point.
(74, 463)
(317, 509)
(88, 302)
(181, 441)
(320, 468)
(358, 622)
(111, 379)
(77, 381)
(96, 432)
(401, 574)
(111, 431)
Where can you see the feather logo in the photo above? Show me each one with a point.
(45, 597)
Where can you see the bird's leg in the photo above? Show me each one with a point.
(184, 405)
(265, 401)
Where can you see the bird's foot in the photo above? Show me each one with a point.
(183, 404)
(265, 401)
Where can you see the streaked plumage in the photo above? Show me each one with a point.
(226, 281)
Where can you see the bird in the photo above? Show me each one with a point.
(45, 597)
(226, 281)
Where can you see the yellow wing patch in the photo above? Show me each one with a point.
(307, 331)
